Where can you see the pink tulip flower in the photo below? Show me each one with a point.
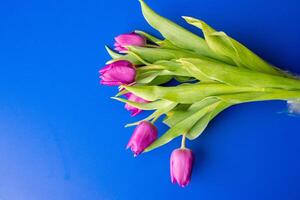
(132, 97)
(181, 164)
(144, 134)
(128, 39)
(118, 73)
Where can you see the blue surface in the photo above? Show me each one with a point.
(62, 138)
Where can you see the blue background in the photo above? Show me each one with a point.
(62, 137)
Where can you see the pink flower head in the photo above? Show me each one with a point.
(132, 97)
(118, 73)
(181, 164)
(144, 134)
(128, 39)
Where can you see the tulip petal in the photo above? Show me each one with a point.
(129, 39)
(144, 134)
(181, 165)
(118, 73)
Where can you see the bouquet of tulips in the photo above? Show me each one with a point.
(212, 74)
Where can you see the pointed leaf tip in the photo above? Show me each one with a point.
(142, 2)
(112, 53)
(115, 98)
(187, 18)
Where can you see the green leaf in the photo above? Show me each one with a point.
(153, 55)
(112, 53)
(176, 115)
(224, 45)
(175, 33)
(202, 123)
(271, 94)
(145, 106)
(151, 76)
(121, 92)
(180, 128)
(184, 79)
(232, 75)
(187, 93)
(165, 107)
(160, 80)
(148, 36)
(182, 111)
(165, 68)
(194, 71)
(145, 77)
(166, 44)
(127, 57)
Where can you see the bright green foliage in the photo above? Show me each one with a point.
(226, 73)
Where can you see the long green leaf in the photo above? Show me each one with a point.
(160, 111)
(180, 128)
(159, 80)
(165, 68)
(166, 44)
(273, 94)
(148, 36)
(112, 53)
(152, 55)
(187, 93)
(202, 123)
(183, 111)
(224, 45)
(236, 76)
(145, 106)
(128, 57)
(175, 33)
(145, 77)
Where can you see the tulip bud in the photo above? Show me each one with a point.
(132, 97)
(181, 164)
(118, 73)
(129, 39)
(144, 134)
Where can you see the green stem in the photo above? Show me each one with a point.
(154, 119)
(183, 141)
(268, 94)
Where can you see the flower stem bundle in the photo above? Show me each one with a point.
(213, 73)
